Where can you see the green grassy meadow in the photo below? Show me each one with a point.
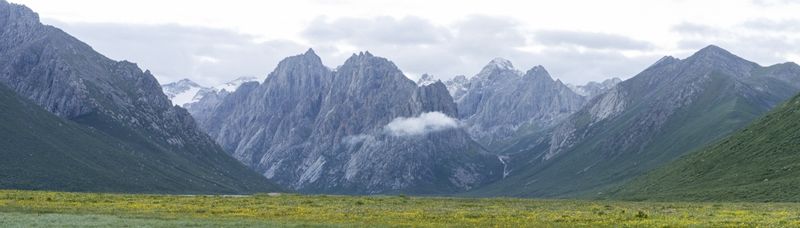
(49, 209)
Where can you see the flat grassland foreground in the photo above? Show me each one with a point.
(47, 209)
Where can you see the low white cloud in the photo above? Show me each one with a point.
(425, 123)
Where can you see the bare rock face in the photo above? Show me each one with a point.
(68, 78)
(502, 103)
(363, 128)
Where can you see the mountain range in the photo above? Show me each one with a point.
(362, 128)
(671, 108)
(76, 120)
(528, 134)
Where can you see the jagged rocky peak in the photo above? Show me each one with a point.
(299, 63)
(434, 97)
(501, 63)
(538, 72)
(666, 60)
(181, 84)
(426, 79)
(186, 92)
(365, 57)
(231, 86)
(17, 15)
(713, 50)
(716, 56)
(496, 67)
(366, 68)
(502, 103)
(310, 52)
(457, 86)
(309, 57)
(459, 79)
(183, 92)
(303, 69)
(593, 89)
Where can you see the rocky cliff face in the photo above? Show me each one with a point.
(671, 108)
(502, 102)
(364, 128)
(66, 77)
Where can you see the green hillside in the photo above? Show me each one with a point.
(42, 151)
(759, 163)
(671, 108)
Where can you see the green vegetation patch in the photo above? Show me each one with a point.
(92, 209)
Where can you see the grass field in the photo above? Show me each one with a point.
(48, 209)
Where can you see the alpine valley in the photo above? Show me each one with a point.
(712, 126)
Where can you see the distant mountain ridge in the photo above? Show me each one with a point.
(593, 89)
(186, 92)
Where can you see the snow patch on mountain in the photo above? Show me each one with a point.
(186, 91)
(426, 79)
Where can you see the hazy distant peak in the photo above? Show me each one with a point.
(426, 79)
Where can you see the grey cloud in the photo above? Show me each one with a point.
(772, 3)
(766, 50)
(763, 24)
(591, 40)
(688, 28)
(574, 66)
(418, 46)
(172, 52)
(483, 35)
(380, 30)
(210, 56)
(464, 47)
(768, 45)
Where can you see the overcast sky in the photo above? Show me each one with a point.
(577, 41)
